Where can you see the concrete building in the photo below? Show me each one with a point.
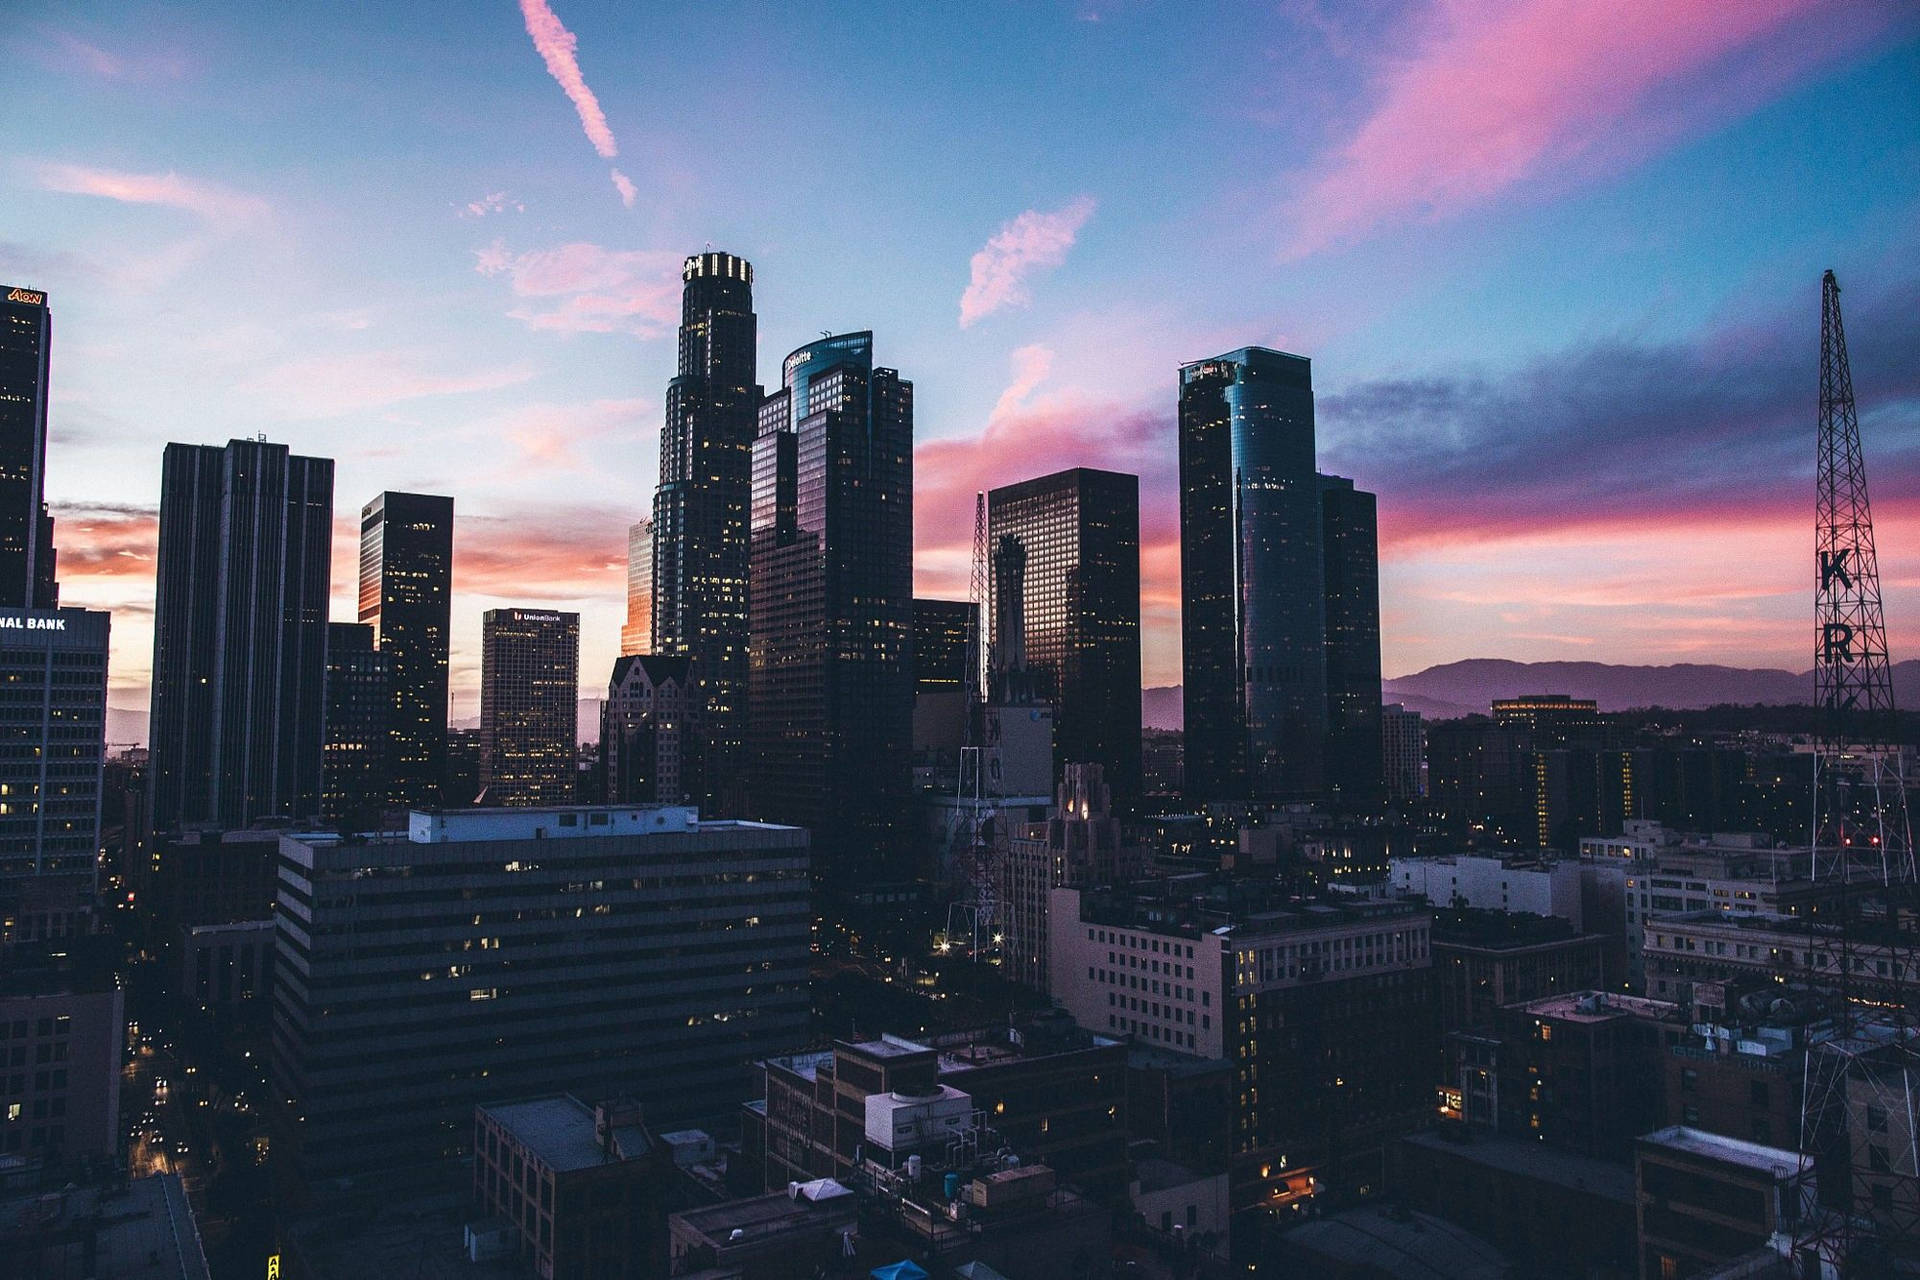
(1485, 959)
(646, 727)
(1325, 1012)
(354, 768)
(141, 1229)
(1541, 887)
(60, 1093)
(583, 1191)
(1403, 750)
(1712, 946)
(1704, 1199)
(529, 706)
(228, 967)
(602, 950)
(1080, 845)
(54, 664)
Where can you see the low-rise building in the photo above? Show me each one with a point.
(1485, 959)
(1538, 886)
(1704, 1199)
(142, 1229)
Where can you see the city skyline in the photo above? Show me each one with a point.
(1574, 368)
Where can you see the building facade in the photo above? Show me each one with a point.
(240, 633)
(596, 950)
(53, 750)
(1079, 611)
(1403, 748)
(1080, 845)
(644, 725)
(26, 530)
(529, 706)
(406, 596)
(636, 633)
(942, 633)
(701, 509)
(356, 755)
(832, 624)
(1350, 553)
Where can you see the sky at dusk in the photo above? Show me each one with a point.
(1556, 264)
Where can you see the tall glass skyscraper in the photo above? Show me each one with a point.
(636, 633)
(1079, 531)
(700, 513)
(406, 596)
(529, 706)
(832, 608)
(1252, 592)
(1280, 601)
(240, 633)
(26, 530)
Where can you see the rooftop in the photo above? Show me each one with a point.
(143, 1230)
(1599, 1006)
(1155, 1174)
(1772, 1161)
(1379, 1241)
(770, 1215)
(1536, 1160)
(560, 1132)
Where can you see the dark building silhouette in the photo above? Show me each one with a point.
(941, 630)
(1253, 602)
(832, 622)
(355, 754)
(240, 633)
(529, 706)
(1077, 535)
(644, 725)
(700, 512)
(1351, 571)
(406, 596)
(26, 530)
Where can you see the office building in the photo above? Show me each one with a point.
(26, 530)
(583, 1189)
(1540, 886)
(644, 726)
(942, 632)
(701, 510)
(1485, 959)
(53, 720)
(1552, 719)
(529, 706)
(1279, 581)
(598, 951)
(1079, 846)
(60, 1102)
(1705, 1200)
(1079, 611)
(360, 706)
(636, 633)
(1350, 552)
(240, 634)
(1324, 1011)
(832, 625)
(406, 596)
(1403, 753)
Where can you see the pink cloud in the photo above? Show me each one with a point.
(584, 288)
(557, 46)
(210, 200)
(1032, 242)
(332, 385)
(1498, 93)
(492, 202)
(624, 185)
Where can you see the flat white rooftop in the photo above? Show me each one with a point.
(1749, 1155)
(561, 822)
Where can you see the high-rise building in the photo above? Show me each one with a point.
(1253, 601)
(1350, 559)
(529, 706)
(406, 596)
(1079, 846)
(240, 633)
(942, 630)
(644, 724)
(681, 956)
(832, 620)
(53, 721)
(26, 530)
(1403, 752)
(354, 756)
(1079, 531)
(700, 512)
(636, 633)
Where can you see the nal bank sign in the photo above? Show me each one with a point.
(31, 622)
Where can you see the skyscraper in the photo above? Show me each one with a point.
(26, 530)
(240, 633)
(1079, 531)
(1351, 571)
(941, 631)
(53, 665)
(406, 596)
(636, 634)
(354, 768)
(832, 633)
(529, 708)
(643, 730)
(1253, 599)
(700, 512)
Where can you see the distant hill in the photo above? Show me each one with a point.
(1462, 688)
(1160, 708)
(127, 726)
